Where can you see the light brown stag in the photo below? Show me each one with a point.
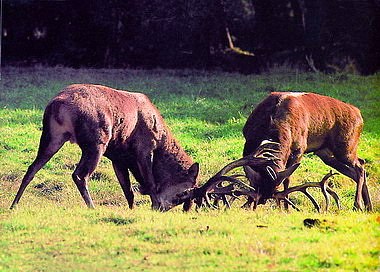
(124, 127)
(282, 128)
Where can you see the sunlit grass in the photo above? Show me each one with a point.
(45, 236)
(51, 230)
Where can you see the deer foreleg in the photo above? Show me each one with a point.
(328, 158)
(145, 165)
(362, 189)
(122, 175)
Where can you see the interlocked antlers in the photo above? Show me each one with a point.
(283, 195)
(223, 187)
(264, 156)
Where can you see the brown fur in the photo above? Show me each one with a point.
(307, 122)
(126, 128)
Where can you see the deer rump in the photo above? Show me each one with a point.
(282, 128)
(124, 127)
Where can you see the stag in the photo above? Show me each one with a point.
(124, 127)
(282, 128)
(307, 123)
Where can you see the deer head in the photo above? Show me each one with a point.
(167, 190)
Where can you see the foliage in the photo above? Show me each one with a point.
(52, 230)
(334, 35)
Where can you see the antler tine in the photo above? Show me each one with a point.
(224, 199)
(287, 200)
(335, 196)
(233, 189)
(267, 145)
(303, 188)
(247, 160)
(264, 155)
(234, 180)
(267, 150)
(199, 200)
(326, 189)
(261, 160)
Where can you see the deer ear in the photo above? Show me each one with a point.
(193, 171)
(281, 176)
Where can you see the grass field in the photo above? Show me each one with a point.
(51, 230)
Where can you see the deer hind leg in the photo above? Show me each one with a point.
(90, 158)
(49, 145)
(122, 175)
(352, 169)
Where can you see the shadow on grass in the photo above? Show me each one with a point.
(118, 221)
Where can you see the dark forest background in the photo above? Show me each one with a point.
(233, 35)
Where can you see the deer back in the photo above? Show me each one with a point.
(301, 121)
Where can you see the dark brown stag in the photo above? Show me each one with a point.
(126, 128)
(279, 131)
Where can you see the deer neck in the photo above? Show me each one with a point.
(171, 159)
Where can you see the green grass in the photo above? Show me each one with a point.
(73, 238)
(51, 230)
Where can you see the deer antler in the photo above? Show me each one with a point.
(303, 188)
(264, 155)
(221, 186)
(219, 190)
